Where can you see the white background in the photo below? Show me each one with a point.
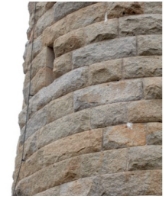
(13, 26)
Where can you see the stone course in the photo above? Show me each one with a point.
(94, 122)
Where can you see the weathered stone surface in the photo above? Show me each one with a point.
(140, 25)
(145, 111)
(67, 83)
(80, 187)
(119, 9)
(85, 16)
(89, 141)
(51, 176)
(103, 162)
(37, 46)
(107, 93)
(149, 45)
(154, 133)
(148, 66)
(65, 126)
(30, 146)
(121, 136)
(106, 50)
(22, 117)
(129, 183)
(38, 120)
(61, 9)
(153, 127)
(53, 32)
(69, 42)
(113, 149)
(101, 31)
(59, 107)
(153, 88)
(154, 138)
(105, 72)
(43, 78)
(132, 183)
(153, 7)
(44, 21)
(41, 8)
(91, 164)
(54, 110)
(44, 59)
(114, 161)
(31, 7)
(81, 166)
(62, 64)
(107, 115)
(145, 158)
(55, 191)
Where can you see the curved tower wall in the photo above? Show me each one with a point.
(94, 124)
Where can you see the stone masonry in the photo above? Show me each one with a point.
(95, 110)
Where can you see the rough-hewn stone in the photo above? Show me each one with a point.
(153, 88)
(65, 126)
(114, 161)
(101, 31)
(54, 110)
(105, 72)
(68, 42)
(107, 115)
(107, 93)
(106, 50)
(121, 136)
(149, 45)
(154, 138)
(128, 184)
(85, 16)
(38, 120)
(154, 133)
(62, 64)
(103, 162)
(132, 183)
(22, 117)
(140, 25)
(153, 7)
(53, 32)
(44, 21)
(89, 141)
(55, 191)
(44, 179)
(43, 59)
(67, 83)
(43, 78)
(71, 169)
(41, 8)
(106, 57)
(125, 183)
(153, 127)
(119, 9)
(59, 107)
(145, 111)
(145, 66)
(80, 187)
(29, 56)
(61, 9)
(145, 158)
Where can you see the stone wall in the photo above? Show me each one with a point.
(95, 114)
